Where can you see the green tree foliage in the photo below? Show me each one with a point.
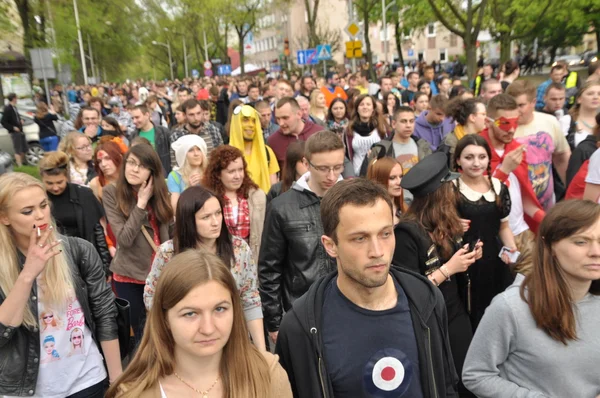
(465, 19)
(510, 20)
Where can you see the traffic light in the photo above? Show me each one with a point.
(286, 47)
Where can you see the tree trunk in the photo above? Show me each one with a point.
(23, 7)
(471, 51)
(369, 55)
(505, 42)
(553, 50)
(241, 49)
(398, 36)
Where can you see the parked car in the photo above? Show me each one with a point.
(588, 57)
(571, 60)
(32, 135)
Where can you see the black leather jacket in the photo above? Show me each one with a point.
(88, 212)
(291, 254)
(20, 346)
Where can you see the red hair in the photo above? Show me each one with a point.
(219, 160)
(115, 149)
(379, 171)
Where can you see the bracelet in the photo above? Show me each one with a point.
(432, 278)
(444, 271)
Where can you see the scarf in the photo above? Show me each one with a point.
(459, 131)
(363, 129)
(522, 174)
(241, 226)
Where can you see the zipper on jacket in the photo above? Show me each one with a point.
(313, 331)
(435, 393)
(468, 293)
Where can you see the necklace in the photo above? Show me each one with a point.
(203, 393)
(587, 125)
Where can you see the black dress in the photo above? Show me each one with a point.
(415, 251)
(489, 275)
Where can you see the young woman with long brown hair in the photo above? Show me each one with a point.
(245, 203)
(388, 172)
(139, 213)
(50, 284)
(199, 224)
(367, 127)
(429, 241)
(196, 340)
(540, 337)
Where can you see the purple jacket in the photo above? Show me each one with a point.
(432, 134)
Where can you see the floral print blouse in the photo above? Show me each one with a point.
(243, 269)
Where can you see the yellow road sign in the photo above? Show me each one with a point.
(353, 29)
(354, 49)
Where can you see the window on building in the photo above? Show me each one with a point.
(443, 55)
(431, 29)
(431, 43)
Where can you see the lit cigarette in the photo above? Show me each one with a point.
(39, 233)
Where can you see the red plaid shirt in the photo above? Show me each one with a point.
(241, 226)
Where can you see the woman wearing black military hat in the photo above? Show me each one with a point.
(429, 241)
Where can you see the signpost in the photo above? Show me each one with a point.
(354, 49)
(324, 54)
(207, 65)
(195, 73)
(353, 30)
(224, 70)
(307, 57)
(43, 67)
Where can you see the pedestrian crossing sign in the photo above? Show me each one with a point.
(354, 49)
(324, 52)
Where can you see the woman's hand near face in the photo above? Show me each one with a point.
(145, 193)
(39, 252)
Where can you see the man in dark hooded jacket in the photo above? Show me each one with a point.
(368, 329)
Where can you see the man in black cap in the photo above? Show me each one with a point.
(367, 329)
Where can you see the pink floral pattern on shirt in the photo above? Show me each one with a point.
(244, 271)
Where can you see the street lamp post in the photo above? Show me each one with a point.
(385, 30)
(185, 62)
(168, 45)
(83, 66)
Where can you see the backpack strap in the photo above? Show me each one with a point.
(175, 176)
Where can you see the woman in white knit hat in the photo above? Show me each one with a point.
(190, 153)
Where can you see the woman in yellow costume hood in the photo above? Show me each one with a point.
(246, 134)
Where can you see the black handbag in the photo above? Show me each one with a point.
(124, 326)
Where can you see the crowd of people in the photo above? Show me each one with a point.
(328, 237)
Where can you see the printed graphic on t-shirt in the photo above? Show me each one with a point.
(69, 358)
(540, 148)
(388, 373)
(407, 161)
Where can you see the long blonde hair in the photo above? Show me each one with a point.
(243, 369)
(314, 105)
(56, 275)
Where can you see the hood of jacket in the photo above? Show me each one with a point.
(447, 125)
(420, 293)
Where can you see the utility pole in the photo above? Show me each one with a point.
(205, 46)
(83, 66)
(94, 74)
(185, 64)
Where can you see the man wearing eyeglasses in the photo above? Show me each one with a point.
(291, 255)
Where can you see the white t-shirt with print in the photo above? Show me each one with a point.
(69, 358)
